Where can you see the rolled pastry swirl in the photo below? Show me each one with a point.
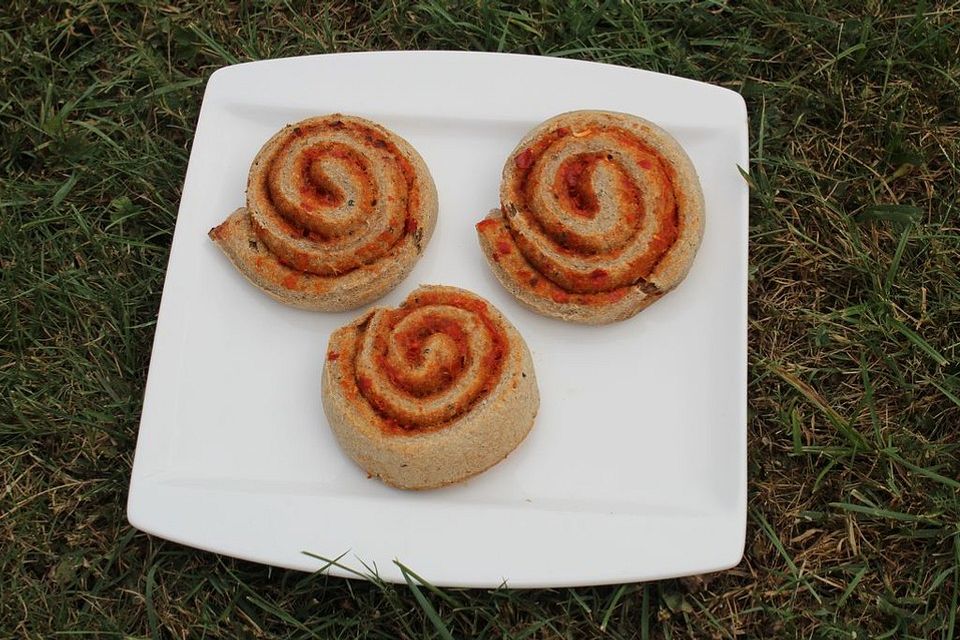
(432, 392)
(338, 211)
(601, 214)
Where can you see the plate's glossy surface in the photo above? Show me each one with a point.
(636, 468)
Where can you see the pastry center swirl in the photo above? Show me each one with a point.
(429, 362)
(592, 210)
(333, 196)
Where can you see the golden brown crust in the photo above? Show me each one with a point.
(601, 214)
(338, 211)
(431, 393)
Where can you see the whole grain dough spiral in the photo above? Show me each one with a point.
(601, 214)
(338, 211)
(432, 392)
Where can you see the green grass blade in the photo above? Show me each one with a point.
(899, 213)
(897, 257)
(335, 562)
(819, 402)
(613, 605)
(883, 513)
(64, 190)
(946, 392)
(428, 609)
(933, 475)
(952, 620)
(857, 577)
(645, 614)
(152, 620)
(918, 340)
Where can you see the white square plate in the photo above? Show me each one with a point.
(636, 468)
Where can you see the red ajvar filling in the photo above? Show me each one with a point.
(321, 195)
(412, 342)
(572, 185)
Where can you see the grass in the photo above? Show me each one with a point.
(854, 522)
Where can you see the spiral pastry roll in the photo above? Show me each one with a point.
(432, 392)
(601, 214)
(338, 211)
